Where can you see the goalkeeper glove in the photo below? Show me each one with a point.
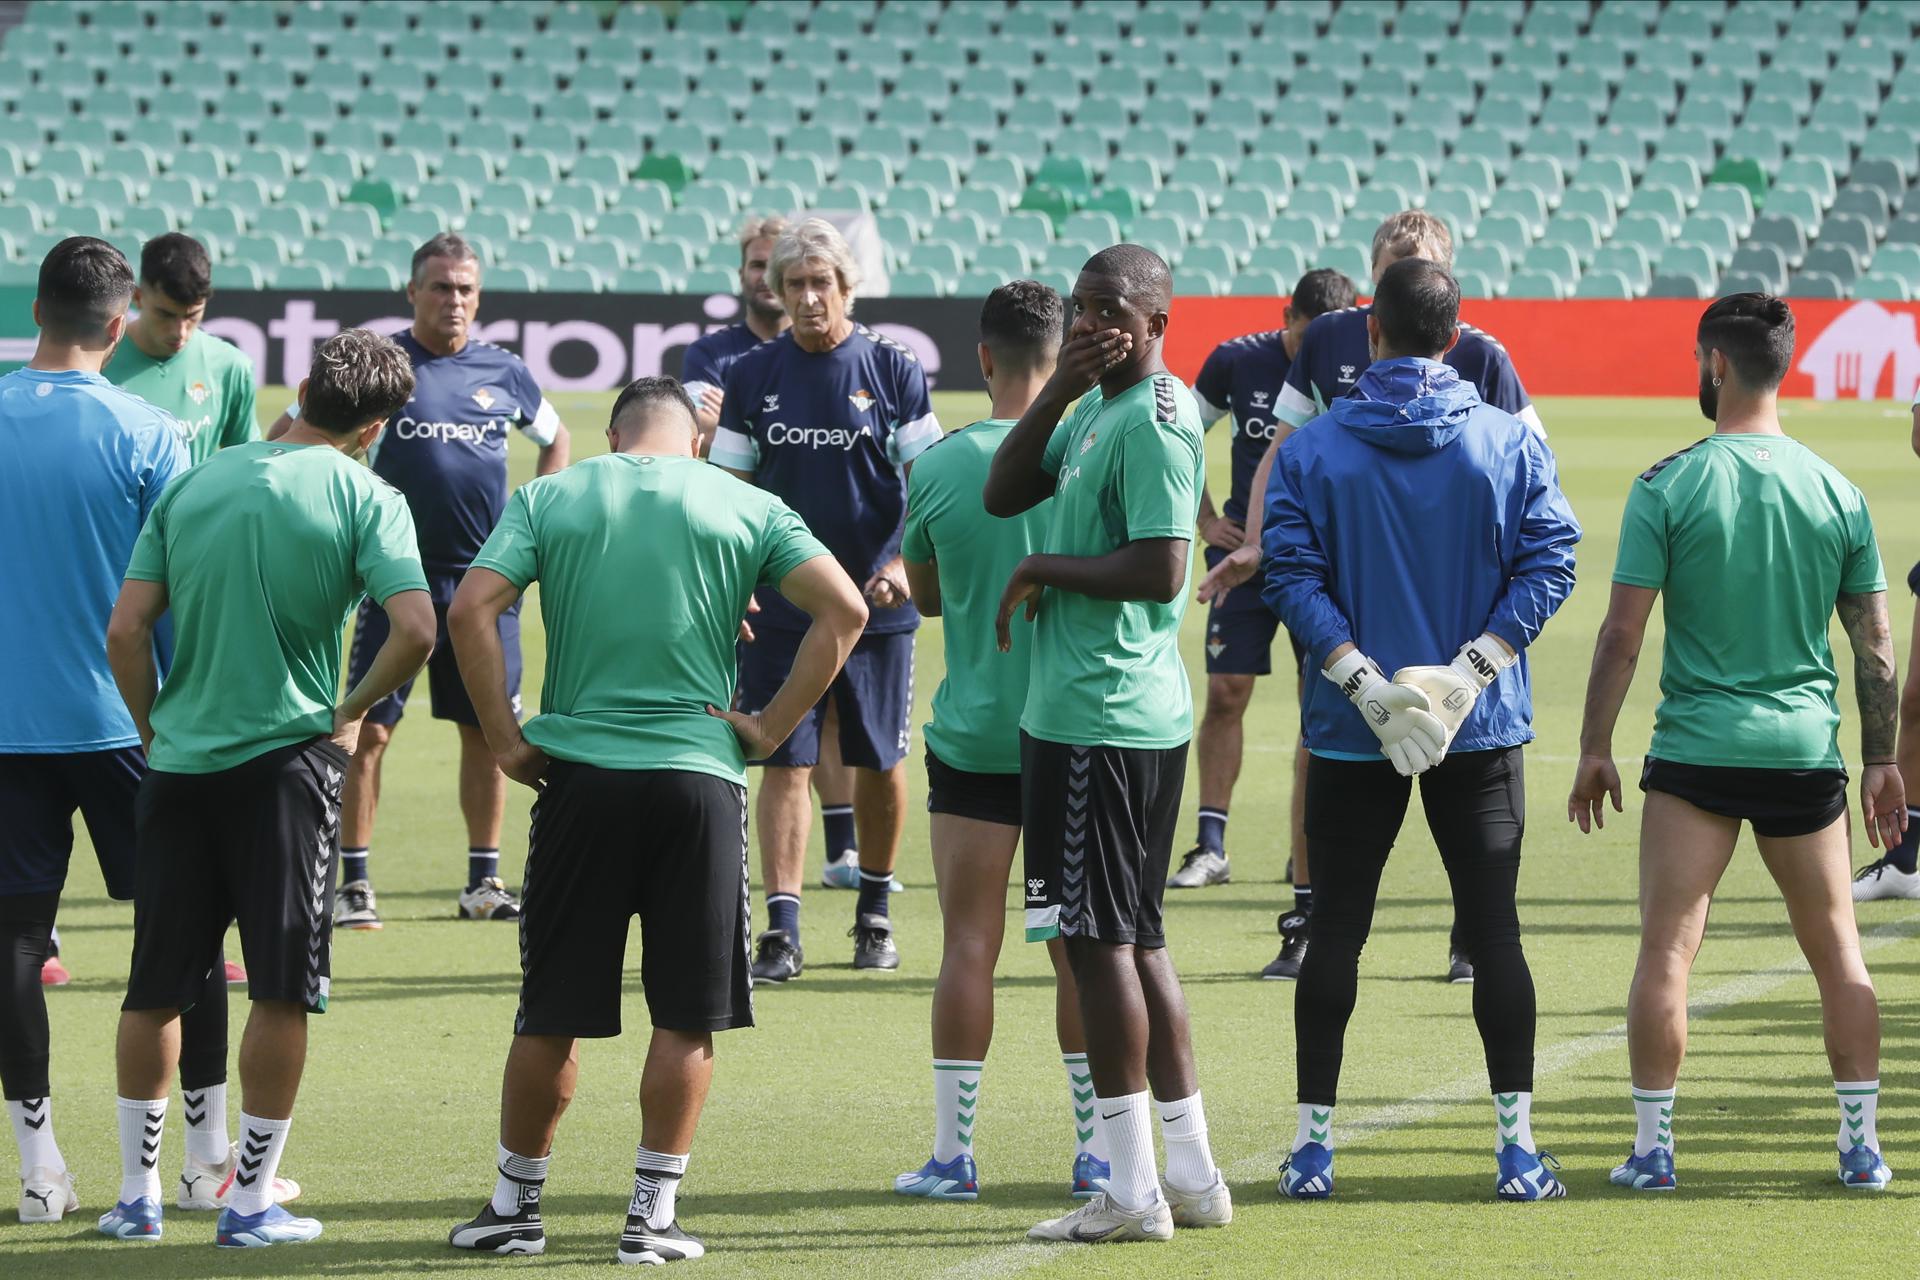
(1453, 689)
(1411, 737)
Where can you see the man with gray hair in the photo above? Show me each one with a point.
(260, 553)
(827, 417)
(447, 452)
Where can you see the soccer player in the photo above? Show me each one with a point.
(1242, 377)
(1331, 357)
(86, 462)
(827, 417)
(704, 371)
(1103, 741)
(169, 360)
(1410, 521)
(260, 553)
(447, 452)
(1750, 540)
(958, 560)
(645, 558)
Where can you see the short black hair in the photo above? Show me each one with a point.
(1417, 303)
(1754, 331)
(357, 377)
(1322, 290)
(84, 284)
(644, 393)
(1023, 323)
(177, 265)
(1142, 273)
(448, 244)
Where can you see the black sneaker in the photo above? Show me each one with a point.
(1293, 949)
(873, 947)
(493, 1232)
(651, 1246)
(776, 957)
(1459, 968)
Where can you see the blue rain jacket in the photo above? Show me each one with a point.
(1410, 518)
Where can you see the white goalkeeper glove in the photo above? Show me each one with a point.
(1411, 737)
(1453, 689)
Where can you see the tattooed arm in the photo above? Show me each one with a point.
(1877, 689)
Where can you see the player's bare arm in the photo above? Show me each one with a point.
(411, 632)
(923, 580)
(1215, 529)
(1149, 569)
(821, 589)
(130, 649)
(1883, 799)
(555, 456)
(1616, 652)
(473, 626)
(1018, 481)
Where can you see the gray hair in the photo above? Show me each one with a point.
(357, 378)
(448, 244)
(813, 240)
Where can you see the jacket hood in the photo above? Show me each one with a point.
(1407, 405)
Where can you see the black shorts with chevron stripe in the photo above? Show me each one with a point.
(257, 845)
(1098, 826)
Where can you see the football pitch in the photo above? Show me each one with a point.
(815, 1110)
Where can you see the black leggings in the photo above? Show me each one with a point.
(26, 928)
(1476, 809)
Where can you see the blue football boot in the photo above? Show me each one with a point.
(1650, 1172)
(139, 1220)
(957, 1179)
(1862, 1169)
(1526, 1176)
(272, 1225)
(1089, 1171)
(1308, 1173)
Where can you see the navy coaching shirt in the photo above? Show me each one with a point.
(1244, 377)
(1333, 355)
(710, 356)
(446, 449)
(830, 434)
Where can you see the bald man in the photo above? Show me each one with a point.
(1109, 712)
(646, 559)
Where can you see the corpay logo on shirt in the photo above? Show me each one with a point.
(817, 437)
(449, 432)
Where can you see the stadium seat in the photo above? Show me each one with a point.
(1815, 285)
(1603, 284)
(302, 275)
(1675, 285)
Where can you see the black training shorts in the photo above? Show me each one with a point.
(1099, 827)
(984, 797)
(1780, 803)
(257, 844)
(667, 845)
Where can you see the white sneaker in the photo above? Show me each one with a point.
(46, 1195)
(1882, 879)
(1200, 867)
(1210, 1208)
(1101, 1221)
(489, 900)
(210, 1186)
(354, 906)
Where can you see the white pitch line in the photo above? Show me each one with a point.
(1007, 1260)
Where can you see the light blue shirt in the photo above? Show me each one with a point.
(81, 464)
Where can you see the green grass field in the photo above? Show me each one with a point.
(814, 1111)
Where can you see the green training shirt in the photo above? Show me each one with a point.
(976, 709)
(1108, 672)
(1749, 539)
(645, 565)
(207, 386)
(265, 549)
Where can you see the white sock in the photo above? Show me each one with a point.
(261, 1145)
(33, 1134)
(1086, 1120)
(206, 1116)
(956, 1102)
(656, 1184)
(1316, 1125)
(1653, 1120)
(140, 1124)
(1129, 1127)
(1859, 1107)
(1513, 1121)
(521, 1178)
(1183, 1126)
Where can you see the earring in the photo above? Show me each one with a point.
(1716, 382)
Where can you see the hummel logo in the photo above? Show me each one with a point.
(1034, 886)
(1260, 399)
(1346, 373)
(771, 404)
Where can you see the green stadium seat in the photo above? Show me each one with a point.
(1211, 261)
(1868, 202)
(302, 275)
(1003, 261)
(1577, 233)
(511, 278)
(668, 169)
(1802, 206)
(1763, 260)
(1494, 261)
(1475, 284)
(573, 278)
(1813, 284)
(1837, 260)
(1902, 260)
(1537, 284)
(1523, 202)
(1163, 234)
(1849, 229)
(1784, 233)
(238, 275)
(1471, 173)
(1603, 284)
